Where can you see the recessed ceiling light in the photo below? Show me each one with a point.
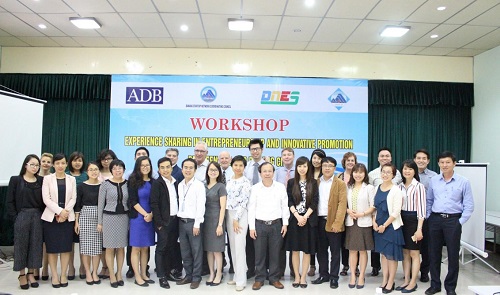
(434, 36)
(394, 31)
(239, 24)
(184, 28)
(85, 22)
(42, 26)
(441, 8)
(309, 3)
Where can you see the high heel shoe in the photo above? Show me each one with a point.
(213, 284)
(387, 291)
(25, 286)
(32, 284)
(295, 285)
(56, 286)
(121, 283)
(145, 284)
(410, 290)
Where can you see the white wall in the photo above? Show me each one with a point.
(178, 61)
(485, 120)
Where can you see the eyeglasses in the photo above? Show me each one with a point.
(33, 165)
(117, 168)
(145, 166)
(200, 151)
(213, 170)
(108, 159)
(386, 172)
(255, 149)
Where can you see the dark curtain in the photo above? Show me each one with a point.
(75, 118)
(407, 115)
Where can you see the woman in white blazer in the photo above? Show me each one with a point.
(387, 224)
(359, 235)
(59, 195)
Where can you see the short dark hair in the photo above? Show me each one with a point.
(26, 160)
(288, 149)
(447, 154)
(190, 160)
(422, 151)
(265, 163)
(141, 148)
(410, 164)
(329, 159)
(239, 158)
(74, 156)
(102, 156)
(357, 168)
(164, 159)
(393, 168)
(59, 157)
(220, 178)
(173, 150)
(318, 152)
(384, 149)
(254, 141)
(116, 162)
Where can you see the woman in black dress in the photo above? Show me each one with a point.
(25, 206)
(303, 197)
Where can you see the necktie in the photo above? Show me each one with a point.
(255, 177)
(287, 177)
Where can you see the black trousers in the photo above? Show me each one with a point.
(375, 259)
(444, 230)
(267, 244)
(345, 252)
(424, 249)
(166, 247)
(334, 242)
(250, 251)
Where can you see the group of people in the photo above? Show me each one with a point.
(302, 207)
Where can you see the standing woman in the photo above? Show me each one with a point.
(213, 227)
(359, 235)
(387, 224)
(25, 206)
(112, 214)
(46, 160)
(86, 223)
(75, 168)
(413, 215)
(238, 192)
(316, 157)
(303, 198)
(59, 195)
(348, 162)
(142, 233)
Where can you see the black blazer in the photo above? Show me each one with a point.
(133, 199)
(15, 197)
(160, 202)
(177, 174)
(313, 218)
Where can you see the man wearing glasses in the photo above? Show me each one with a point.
(200, 155)
(332, 207)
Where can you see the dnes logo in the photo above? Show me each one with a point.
(280, 97)
(144, 95)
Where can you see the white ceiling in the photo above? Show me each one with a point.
(465, 27)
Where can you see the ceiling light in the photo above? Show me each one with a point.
(434, 36)
(238, 24)
(184, 28)
(441, 8)
(394, 31)
(309, 3)
(85, 22)
(42, 26)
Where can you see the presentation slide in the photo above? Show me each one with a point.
(159, 112)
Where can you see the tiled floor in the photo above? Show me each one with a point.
(475, 273)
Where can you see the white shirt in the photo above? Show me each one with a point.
(192, 198)
(268, 203)
(249, 169)
(375, 179)
(174, 207)
(201, 171)
(324, 195)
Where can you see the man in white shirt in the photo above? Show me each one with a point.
(225, 164)
(374, 178)
(192, 198)
(268, 215)
(200, 155)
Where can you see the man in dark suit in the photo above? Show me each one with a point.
(165, 205)
(173, 155)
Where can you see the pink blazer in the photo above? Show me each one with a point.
(50, 197)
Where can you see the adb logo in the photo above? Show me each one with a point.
(208, 94)
(144, 95)
(338, 99)
(280, 97)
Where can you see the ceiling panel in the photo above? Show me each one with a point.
(13, 6)
(417, 31)
(257, 44)
(66, 41)
(61, 21)
(466, 52)
(174, 21)
(441, 31)
(395, 10)
(125, 42)
(141, 24)
(216, 27)
(34, 20)
(12, 25)
(463, 36)
(4, 33)
(411, 50)
(218, 43)
(298, 8)
(12, 42)
(290, 45)
(319, 46)
(428, 13)
(436, 51)
(488, 41)
(185, 6)
(136, 6)
(114, 26)
(157, 42)
(47, 6)
(489, 18)
(39, 41)
(392, 49)
(87, 7)
(351, 47)
(264, 7)
(230, 7)
(368, 32)
(351, 9)
(335, 30)
(92, 41)
(191, 43)
(470, 12)
(264, 28)
(298, 29)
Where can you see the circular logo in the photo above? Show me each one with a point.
(208, 94)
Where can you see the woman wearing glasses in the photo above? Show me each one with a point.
(112, 214)
(105, 158)
(59, 195)
(142, 233)
(25, 206)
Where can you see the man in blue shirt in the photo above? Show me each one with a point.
(449, 205)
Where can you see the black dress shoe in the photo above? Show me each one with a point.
(334, 284)
(320, 280)
(164, 283)
(45, 278)
(176, 273)
(64, 285)
(114, 285)
(71, 277)
(130, 273)
(451, 293)
(172, 278)
(90, 283)
(184, 281)
(424, 278)
(375, 271)
(149, 281)
(121, 283)
(432, 291)
(97, 282)
(56, 286)
(82, 276)
(344, 271)
(145, 284)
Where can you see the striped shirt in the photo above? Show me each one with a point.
(414, 198)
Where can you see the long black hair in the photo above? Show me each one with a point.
(310, 181)
(136, 179)
(26, 160)
(412, 165)
(220, 178)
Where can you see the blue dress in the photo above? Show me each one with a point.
(142, 233)
(390, 242)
